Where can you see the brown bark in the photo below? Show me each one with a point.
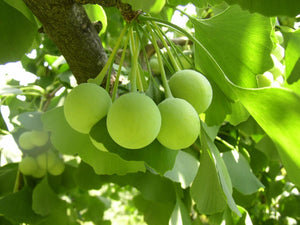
(66, 23)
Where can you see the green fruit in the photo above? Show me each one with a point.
(180, 124)
(133, 120)
(58, 167)
(265, 80)
(184, 62)
(154, 65)
(85, 105)
(39, 172)
(193, 87)
(25, 140)
(28, 165)
(39, 138)
(46, 160)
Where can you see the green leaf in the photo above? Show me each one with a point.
(154, 6)
(292, 55)
(276, 110)
(218, 109)
(234, 37)
(270, 7)
(17, 36)
(21, 6)
(184, 170)
(206, 189)
(223, 174)
(154, 212)
(267, 146)
(29, 120)
(180, 214)
(96, 13)
(239, 114)
(86, 177)
(240, 173)
(8, 175)
(44, 200)
(70, 142)
(16, 207)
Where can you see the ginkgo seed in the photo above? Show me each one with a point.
(133, 120)
(180, 124)
(193, 87)
(85, 105)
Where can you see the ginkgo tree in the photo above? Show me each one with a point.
(193, 124)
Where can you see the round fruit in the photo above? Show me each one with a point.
(25, 140)
(193, 87)
(85, 105)
(39, 138)
(154, 65)
(46, 160)
(133, 120)
(184, 62)
(28, 165)
(58, 167)
(39, 172)
(180, 124)
(265, 80)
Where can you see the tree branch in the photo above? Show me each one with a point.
(68, 26)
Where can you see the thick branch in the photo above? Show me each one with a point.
(67, 24)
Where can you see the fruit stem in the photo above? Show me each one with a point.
(99, 78)
(134, 61)
(168, 92)
(159, 33)
(115, 88)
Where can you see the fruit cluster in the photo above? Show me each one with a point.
(38, 161)
(134, 120)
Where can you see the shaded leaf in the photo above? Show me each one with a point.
(184, 170)
(16, 207)
(19, 33)
(240, 173)
(29, 120)
(206, 189)
(154, 212)
(223, 174)
(44, 200)
(8, 174)
(180, 214)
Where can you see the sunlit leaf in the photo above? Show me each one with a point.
(277, 111)
(97, 13)
(292, 55)
(239, 42)
(270, 7)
